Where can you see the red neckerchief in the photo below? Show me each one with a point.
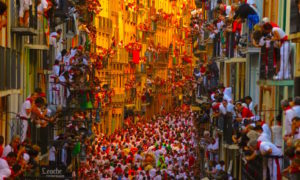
(258, 144)
(30, 100)
(287, 108)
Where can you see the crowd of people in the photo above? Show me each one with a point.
(162, 149)
(242, 124)
(230, 40)
(18, 159)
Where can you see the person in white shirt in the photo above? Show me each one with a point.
(5, 164)
(263, 135)
(282, 41)
(25, 114)
(269, 149)
(277, 133)
(274, 164)
(226, 107)
(52, 153)
(152, 173)
(296, 107)
(54, 87)
(250, 105)
(55, 37)
(296, 128)
(5, 171)
(10, 147)
(288, 115)
(24, 12)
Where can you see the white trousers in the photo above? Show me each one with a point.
(24, 130)
(273, 168)
(285, 66)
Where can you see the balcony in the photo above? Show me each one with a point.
(270, 65)
(28, 27)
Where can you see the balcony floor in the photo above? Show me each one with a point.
(276, 82)
(25, 31)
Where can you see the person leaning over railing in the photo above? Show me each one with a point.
(269, 150)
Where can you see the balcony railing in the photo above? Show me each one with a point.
(24, 26)
(270, 63)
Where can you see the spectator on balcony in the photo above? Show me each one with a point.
(214, 73)
(250, 105)
(269, 149)
(3, 12)
(24, 12)
(12, 147)
(295, 128)
(249, 12)
(288, 115)
(266, 20)
(39, 113)
(263, 136)
(277, 132)
(54, 87)
(55, 37)
(281, 39)
(293, 153)
(227, 107)
(42, 8)
(6, 165)
(296, 107)
(25, 113)
(243, 113)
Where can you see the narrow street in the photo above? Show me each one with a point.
(164, 148)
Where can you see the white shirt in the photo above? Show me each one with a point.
(267, 130)
(55, 70)
(4, 169)
(280, 32)
(251, 107)
(229, 108)
(152, 172)
(26, 105)
(296, 111)
(158, 177)
(53, 39)
(228, 10)
(265, 146)
(7, 149)
(288, 121)
(52, 154)
(43, 5)
(25, 5)
(264, 137)
(277, 135)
